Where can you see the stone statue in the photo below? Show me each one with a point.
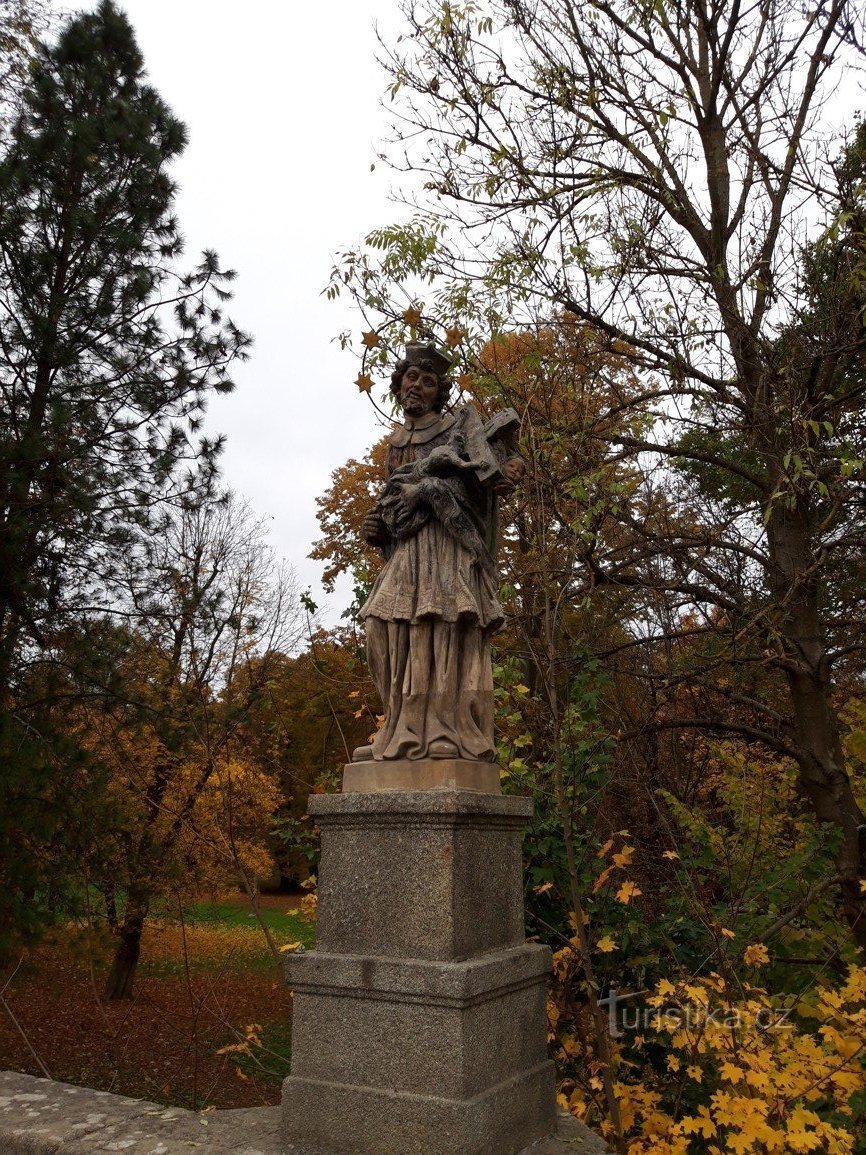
(434, 606)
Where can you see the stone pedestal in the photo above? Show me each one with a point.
(419, 1023)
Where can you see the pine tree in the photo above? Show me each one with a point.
(108, 352)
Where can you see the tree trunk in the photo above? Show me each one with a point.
(824, 780)
(823, 776)
(118, 985)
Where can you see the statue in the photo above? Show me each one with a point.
(434, 606)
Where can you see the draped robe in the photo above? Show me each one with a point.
(434, 606)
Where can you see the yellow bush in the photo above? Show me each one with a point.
(745, 1073)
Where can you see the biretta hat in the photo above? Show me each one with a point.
(418, 351)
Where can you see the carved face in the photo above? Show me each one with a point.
(419, 390)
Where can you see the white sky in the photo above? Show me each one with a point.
(281, 100)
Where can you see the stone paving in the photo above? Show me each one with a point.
(41, 1117)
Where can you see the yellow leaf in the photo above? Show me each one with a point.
(624, 857)
(606, 944)
(544, 888)
(756, 954)
(759, 1079)
(628, 891)
(801, 1118)
(291, 946)
(695, 1073)
(723, 930)
(672, 854)
(701, 1123)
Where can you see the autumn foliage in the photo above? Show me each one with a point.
(706, 994)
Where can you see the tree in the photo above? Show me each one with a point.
(318, 706)
(665, 174)
(210, 617)
(341, 510)
(108, 351)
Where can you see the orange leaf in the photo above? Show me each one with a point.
(628, 891)
(756, 954)
(624, 857)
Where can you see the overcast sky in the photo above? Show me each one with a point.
(281, 100)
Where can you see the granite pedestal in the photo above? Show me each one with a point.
(419, 1023)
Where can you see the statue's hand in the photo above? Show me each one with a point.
(406, 506)
(373, 529)
(512, 474)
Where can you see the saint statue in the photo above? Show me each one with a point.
(433, 608)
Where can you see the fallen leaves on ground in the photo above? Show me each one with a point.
(164, 1044)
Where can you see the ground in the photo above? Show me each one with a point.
(202, 987)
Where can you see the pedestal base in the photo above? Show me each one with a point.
(341, 1119)
(419, 1024)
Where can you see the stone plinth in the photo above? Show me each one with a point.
(423, 875)
(419, 1021)
(429, 774)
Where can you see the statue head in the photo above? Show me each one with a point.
(428, 363)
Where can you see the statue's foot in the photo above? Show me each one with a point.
(442, 748)
(362, 754)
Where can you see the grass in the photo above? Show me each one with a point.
(284, 926)
(221, 937)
